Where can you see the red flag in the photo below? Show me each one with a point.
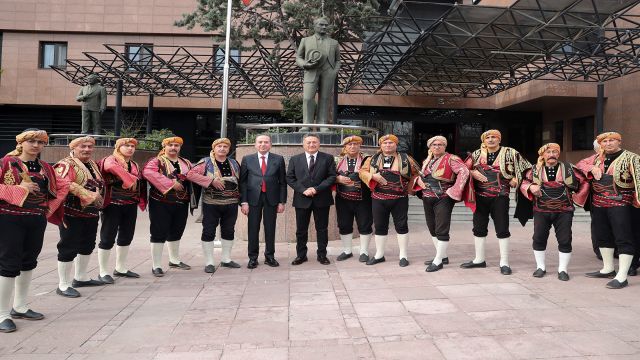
(246, 2)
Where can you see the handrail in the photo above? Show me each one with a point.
(327, 137)
(101, 140)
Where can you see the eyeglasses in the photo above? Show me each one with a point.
(434, 145)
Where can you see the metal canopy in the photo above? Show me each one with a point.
(423, 48)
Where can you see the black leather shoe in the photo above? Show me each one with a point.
(107, 279)
(470, 265)
(90, 282)
(633, 271)
(253, 263)
(299, 260)
(7, 326)
(363, 258)
(599, 275)
(69, 292)
(181, 266)
(444, 261)
(373, 260)
(209, 269)
(28, 315)
(563, 276)
(271, 261)
(344, 256)
(323, 260)
(157, 272)
(615, 284)
(403, 262)
(231, 264)
(539, 273)
(129, 274)
(505, 270)
(433, 267)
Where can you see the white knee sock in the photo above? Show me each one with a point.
(122, 252)
(364, 244)
(479, 245)
(227, 245)
(403, 244)
(22, 283)
(539, 255)
(607, 260)
(381, 240)
(624, 262)
(156, 255)
(347, 240)
(440, 249)
(207, 251)
(563, 261)
(64, 274)
(82, 264)
(6, 290)
(174, 251)
(103, 261)
(504, 251)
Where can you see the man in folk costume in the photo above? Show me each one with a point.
(352, 199)
(442, 181)
(494, 170)
(614, 177)
(549, 185)
(29, 192)
(125, 192)
(169, 202)
(218, 176)
(390, 175)
(79, 227)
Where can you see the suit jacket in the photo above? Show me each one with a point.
(96, 97)
(330, 52)
(322, 179)
(251, 180)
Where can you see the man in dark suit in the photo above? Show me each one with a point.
(311, 175)
(263, 192)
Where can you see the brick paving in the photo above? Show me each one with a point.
(345, 310)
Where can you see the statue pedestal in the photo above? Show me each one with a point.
(286, 223)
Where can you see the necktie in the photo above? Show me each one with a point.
(263, 167)
(312, 164)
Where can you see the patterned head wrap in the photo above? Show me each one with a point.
(169, 140)
(29, 134)
(116, 152)
(220, 141)
(81, 140)
(347, 140)
(429, 142)
(388, 137)
(544, 148)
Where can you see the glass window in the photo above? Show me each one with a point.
(52, 54)
(219, 65)
(140, 54)
(582, 133)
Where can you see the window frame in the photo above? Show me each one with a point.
(57, 46)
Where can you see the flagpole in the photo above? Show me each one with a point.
(225, 76)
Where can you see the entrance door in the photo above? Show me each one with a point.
(425, 131)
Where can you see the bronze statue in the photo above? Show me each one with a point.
(94, 101)
(319, 56)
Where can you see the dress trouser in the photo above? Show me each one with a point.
(496, 207)
(77, 237)
(437, 212)
(613, 228)
(321, 220)
(561, 222)
(120, 221)
(167, 220)
(20, 243)
(266, 214)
